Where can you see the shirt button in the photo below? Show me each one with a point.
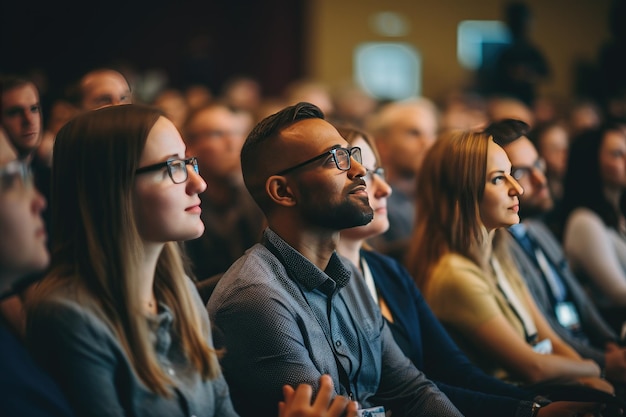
(338, 343)
(171, 371)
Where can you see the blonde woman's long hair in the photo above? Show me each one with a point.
(97, 247)
(450, 186)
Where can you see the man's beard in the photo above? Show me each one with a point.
(339, 216)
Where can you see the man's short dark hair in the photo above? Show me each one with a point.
(507, 131)
(255, 149)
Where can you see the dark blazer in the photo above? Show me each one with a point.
(424, 340)
(26, 389)
(593, 325)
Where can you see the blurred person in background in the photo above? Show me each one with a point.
(593, 217)
(404, 131)
(233, 222)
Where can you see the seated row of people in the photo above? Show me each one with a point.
(148, 217)
(116, 323)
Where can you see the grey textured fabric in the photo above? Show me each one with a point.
(80, 351)
(594, 327)
(285, 321)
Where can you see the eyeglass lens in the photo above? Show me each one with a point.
(379, 172)
(178, 169)
(520, 172)
(342, 157)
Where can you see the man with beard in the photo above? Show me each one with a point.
(540, 259)
(291, 309)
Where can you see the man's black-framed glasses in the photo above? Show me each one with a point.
(522, 171)
(176, 168)
(340, 155)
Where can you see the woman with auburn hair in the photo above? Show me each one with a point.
(465, 194)
(117, 321)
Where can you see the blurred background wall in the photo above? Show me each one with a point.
(569, 33)
(277, 41)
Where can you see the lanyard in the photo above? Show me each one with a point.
(514, 302)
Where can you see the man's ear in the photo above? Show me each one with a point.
(279, 190)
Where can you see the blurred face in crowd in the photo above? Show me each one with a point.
(499, 206)
(613, 159)
(215, 136)
(410, 134)
(23, 238)
(554, 145)
(104, 88)
(21, 118)
(529, 170)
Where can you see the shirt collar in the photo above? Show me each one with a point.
(305, 272)
(518, 230)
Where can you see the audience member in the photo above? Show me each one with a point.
(463, 110)
(593, 222)
(500, 108)
(232, 220)
(26, 389)
(100, 88)
(551, 139)
(291, 309)
(242, 93)
(541, 261)
(197, 95)
(404, 131)
(584, 114)
(267, 107)
(414, 327)
(21, 116)
(22, 121)
(465, 193)
(547, 108)
(353, 105)
(116, 322)
(61, 112)
(311, 91)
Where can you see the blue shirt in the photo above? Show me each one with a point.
(285, 321)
